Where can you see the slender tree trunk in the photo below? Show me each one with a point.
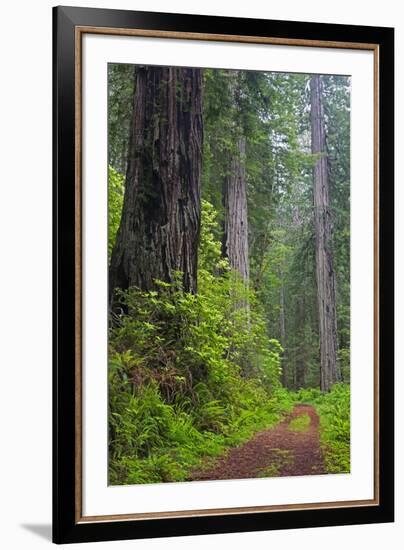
(235, 239)
(302, 353)
(160, 224)
(300, 374)
(282, 331)
(325, 275)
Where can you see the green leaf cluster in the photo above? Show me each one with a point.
(116, 189)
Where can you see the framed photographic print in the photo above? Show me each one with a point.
(223, 274)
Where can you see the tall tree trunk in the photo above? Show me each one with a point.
(282, 330)
(325, 275)
(160, 224)
(300, 372)
(235, 238)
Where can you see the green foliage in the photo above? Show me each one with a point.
(300, 423)
(334, 411)
(308, 395)
(344, 357)
(120, 102)
(210, 253)
(115, 203)
(189, 374)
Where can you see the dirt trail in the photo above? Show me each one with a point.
(279, 451)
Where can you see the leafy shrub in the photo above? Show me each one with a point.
(334, 411)
(344, 357)
(308, 395)
(115, 203)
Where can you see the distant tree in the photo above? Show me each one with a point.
(235, 234)
(120, 104)
(325, 274)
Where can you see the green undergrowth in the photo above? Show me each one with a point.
(160, 442)
(333, 409)
(116, 188)
(300, 424)
(192, 375)
(189, 375)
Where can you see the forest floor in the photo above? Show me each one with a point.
(291, 448)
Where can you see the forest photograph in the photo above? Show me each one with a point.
(229, 274)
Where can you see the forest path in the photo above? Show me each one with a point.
(291, 448)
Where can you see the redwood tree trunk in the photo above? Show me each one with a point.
(325, 275)
(159, 230)
(235, 237)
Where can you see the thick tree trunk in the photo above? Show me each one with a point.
(159, 230)
(325, 275)
(235, 237)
